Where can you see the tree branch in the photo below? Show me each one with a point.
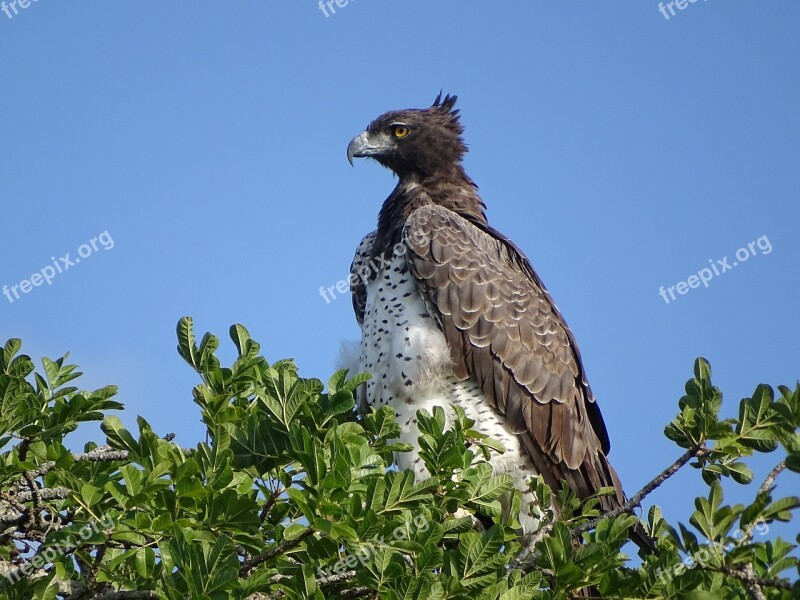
(527, 565)
(753, 582)
(270, 503)
(139, 595)
(56, 493)
(248, 565)
(769, 482)
(100, 454)
(338, 578)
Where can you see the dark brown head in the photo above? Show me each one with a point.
(411, 142)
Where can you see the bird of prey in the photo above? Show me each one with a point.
(453, 314)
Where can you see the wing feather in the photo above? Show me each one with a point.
(360, 270)
(505, 332)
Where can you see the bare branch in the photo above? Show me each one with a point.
(753, 582)
(248, 566)
(336, 579)
(34, 516)
(636, 500)
(526, 565)
(139, 595)
(520, 562)
(102, 454)
(769, 482)
(56, 493)
(270, 503)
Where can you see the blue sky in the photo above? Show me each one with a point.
(619, 149)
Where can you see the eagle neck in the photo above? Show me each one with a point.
(456, 192)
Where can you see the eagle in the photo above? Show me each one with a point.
(453, 314)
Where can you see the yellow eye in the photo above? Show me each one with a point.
(400, 131)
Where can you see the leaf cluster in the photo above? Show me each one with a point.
(292, 495)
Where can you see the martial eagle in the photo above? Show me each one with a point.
(452, 313)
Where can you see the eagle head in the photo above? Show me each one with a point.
(413, 142)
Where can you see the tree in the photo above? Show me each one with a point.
(292, 496)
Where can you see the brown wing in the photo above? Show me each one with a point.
(505, 332)
(360, 271)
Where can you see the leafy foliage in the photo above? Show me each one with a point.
(292, 496)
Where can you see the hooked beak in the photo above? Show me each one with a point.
(363, 145)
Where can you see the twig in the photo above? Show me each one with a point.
(356, 592)
(33, 515)
(43, 469)
(526, 565)
(9, 520)
(754, 583)
(519, 562)
(56, 493)
(330, 580)
(336, 578)
(270, 503)
(102, 454)
(139, 595)
(22, 449)
(13, 501)
(248, 566)
(98, 559)
(108, 454)
(636, 500)
(36, 494)
(766, 487)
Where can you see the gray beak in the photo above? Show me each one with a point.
(365, 145)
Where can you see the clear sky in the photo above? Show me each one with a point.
(202, 147)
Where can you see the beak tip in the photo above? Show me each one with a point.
(356, 147)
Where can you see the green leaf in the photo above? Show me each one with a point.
(793, 462)
(208, 345)
(119, 437)
(781, 509)
(702, 370)
(740, 472)
(145, 562)
(187, 346)
(757, 421)
(381, 423)
(90, 494)
(294, 531)
(10, 349)
(240, 337)
(133, 479)
(701, 595)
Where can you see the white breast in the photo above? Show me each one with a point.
(405, 350)
(401, 344)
